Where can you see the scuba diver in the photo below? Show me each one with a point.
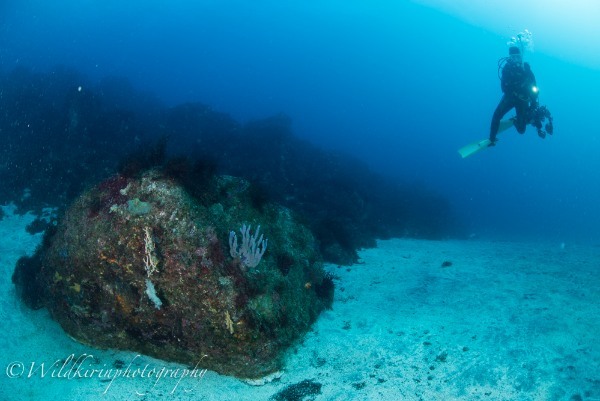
(521, 93)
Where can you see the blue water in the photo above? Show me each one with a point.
(397, 84)
(402, 87)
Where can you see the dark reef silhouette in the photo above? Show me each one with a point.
(62, 134)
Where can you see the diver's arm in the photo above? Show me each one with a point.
(504, 78)
(533, 95)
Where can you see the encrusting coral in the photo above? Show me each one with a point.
(140, 264)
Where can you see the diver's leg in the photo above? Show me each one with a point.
(522, 110)
(503, 107)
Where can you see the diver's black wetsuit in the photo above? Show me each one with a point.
(517, 84)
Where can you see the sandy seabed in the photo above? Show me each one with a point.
(414, 320)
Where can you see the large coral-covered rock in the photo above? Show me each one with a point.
(139, 264)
